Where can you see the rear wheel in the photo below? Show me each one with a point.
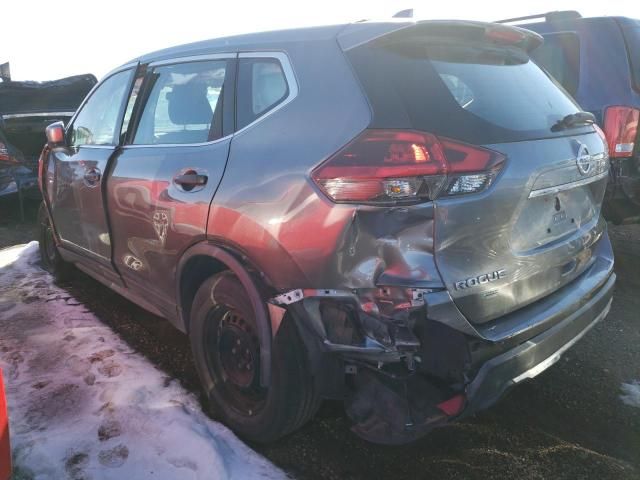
(49, 254)
(226, 349)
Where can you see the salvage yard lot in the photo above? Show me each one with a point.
(570, 422)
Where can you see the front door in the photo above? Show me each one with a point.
(76, 194)
(163, 179)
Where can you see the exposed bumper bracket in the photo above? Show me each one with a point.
(298, 294)
(293, 296)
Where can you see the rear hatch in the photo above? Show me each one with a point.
(533, 229)
(26, 108)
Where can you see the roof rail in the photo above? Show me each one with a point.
(548, 17)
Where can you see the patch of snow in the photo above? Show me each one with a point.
(631, 393)
(82, 404)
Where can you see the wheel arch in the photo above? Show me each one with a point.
(205, 259)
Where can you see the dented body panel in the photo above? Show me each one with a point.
(515, 245)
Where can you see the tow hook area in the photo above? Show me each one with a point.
(403, 375)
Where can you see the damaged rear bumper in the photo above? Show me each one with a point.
(536, 354)
(413, 362)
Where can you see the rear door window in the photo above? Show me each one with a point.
(262, 85)
(184, 104)
(560, 56)
(477, 93)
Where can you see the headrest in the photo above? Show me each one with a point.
(188, 104)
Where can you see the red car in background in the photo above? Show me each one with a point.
(5, 450)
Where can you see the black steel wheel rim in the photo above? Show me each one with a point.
(233, 357)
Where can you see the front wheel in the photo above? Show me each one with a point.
(49, 254)
(226, 349)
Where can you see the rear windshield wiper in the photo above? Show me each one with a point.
(574, 120)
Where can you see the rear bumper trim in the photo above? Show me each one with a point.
(542, 366)
(538, 353)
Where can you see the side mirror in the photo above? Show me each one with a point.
(55, 134)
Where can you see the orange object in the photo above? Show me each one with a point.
(5, 449)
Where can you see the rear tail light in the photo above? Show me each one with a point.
(4, 153)
(621, 130)
(453, 406)
(397, 166)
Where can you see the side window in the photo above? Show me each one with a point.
(560, 56)
(262, 85)
(96, 122)
(137, 84)
(184, 104)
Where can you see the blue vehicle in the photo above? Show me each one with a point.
(597, 61)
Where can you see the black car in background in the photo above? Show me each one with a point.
(26, 108)
(597, 60)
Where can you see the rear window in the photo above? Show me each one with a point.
(560, 56)
(631, 32)
(480, 94)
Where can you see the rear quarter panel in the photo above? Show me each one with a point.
(266, 206)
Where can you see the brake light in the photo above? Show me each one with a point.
(504, 35)
(621, 130)
(397, 166)
(4, 153)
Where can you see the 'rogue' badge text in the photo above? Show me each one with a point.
(481, 279)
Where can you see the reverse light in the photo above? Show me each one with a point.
(397, 166)
(621, 130)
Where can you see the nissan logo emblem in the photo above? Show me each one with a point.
(583, 160)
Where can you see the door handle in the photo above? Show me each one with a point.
(190, 180)
(92, 177)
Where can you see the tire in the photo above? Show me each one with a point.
(50, 257)
(222, 318)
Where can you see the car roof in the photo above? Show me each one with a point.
(245, 41)
(348, 35)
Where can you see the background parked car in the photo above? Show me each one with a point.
(12, 167)
(597, 60)
(26, 108)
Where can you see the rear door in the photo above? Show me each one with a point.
(76, 194)
(535, 227)
(163, 179)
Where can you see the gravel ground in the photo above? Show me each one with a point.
(569, 422)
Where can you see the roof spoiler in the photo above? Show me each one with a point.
(548, 17)
(361, 33)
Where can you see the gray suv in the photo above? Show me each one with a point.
(404, 216)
